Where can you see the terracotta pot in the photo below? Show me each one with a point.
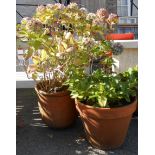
(135, 114)
(57, 110)
(120, 36)
(106, 128)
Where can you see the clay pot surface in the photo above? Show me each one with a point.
(58, 109)
(109, 53)
(106, 128)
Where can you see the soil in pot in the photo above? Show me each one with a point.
(57, 109)
(106, 128)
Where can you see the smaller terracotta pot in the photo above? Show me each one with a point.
(109, 53)
(106, 128)
(58, 109)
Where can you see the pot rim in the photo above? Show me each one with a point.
(60, 93)
(87, 111)
(107, 109)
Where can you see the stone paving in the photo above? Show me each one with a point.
(33, 137)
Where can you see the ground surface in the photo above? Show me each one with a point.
(35, 138)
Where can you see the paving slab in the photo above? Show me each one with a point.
(33, 137)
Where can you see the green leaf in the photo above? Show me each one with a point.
(34, 76)
(60, 48)
(36, 60)
(44, 55)
(101, 87)
(35, 43)
(64, 45)
(102, 101)
(28, 54)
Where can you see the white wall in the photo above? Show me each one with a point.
(129, 57)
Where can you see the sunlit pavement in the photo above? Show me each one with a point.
(35, 138)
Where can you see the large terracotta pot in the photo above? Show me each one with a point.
(57, 110)
(106, 128)
(120, 36)
(135, 114)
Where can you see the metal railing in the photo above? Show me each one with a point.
(65, 2)
(133, 4)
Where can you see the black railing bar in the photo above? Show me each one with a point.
(30, 4)
(55, 1)
(131, 9)
(67, 2)
(60, 1)
(132, 3)
(19, 14)
(135, 6)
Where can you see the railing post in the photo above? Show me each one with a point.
(131, 1)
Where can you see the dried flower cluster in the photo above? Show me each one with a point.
(62, 39)
(117, 48)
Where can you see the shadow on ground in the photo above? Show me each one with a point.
(33, 137)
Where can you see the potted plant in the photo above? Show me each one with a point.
(105, 103)
(104, 100)
(61, 39)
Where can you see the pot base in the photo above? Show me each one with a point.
(102, 147)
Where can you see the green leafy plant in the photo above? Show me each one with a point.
(62, 39)
(105, 90)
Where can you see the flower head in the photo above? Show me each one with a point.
(59, 55)
(25, 20)
(70, 49)
(47, 31)
(102, 13)
(34, 25)
(88, 41)
(40, 9)
(113, 18)
(98, 21)
(59, 6)
(84, 10)
(72, 6)
(49, 6)
(91, 16)
(67, 35)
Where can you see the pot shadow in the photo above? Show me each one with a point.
(19, 117)
(36, 118)
(35, 137)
